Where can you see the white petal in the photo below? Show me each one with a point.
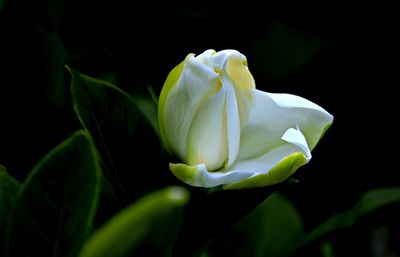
(311, 118)
(207, 138)
(196, 83)
(238, 82)
(204, 57)
(272, 115)
(295, 142)
(232, 126)
(219, 59)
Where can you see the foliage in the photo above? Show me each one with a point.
(103, 192)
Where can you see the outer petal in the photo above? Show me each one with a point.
(272, 115)
(232, 125)
(280, 172)
(198, 175)
(185, 89)
(207, 138)
(276, 165)
(169, 84)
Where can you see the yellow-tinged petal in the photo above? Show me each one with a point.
(283, 170)
(237, 70)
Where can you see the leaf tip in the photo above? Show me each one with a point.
(68, 68)
(179, 195)
(71, 71)
(83, 137)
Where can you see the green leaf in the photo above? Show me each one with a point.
(274, 228)
(149, 109)
(124, 138)
(56, 204)
(370, 201)
(209, 214)
(8, 191)
(270, 230)
(134, 224)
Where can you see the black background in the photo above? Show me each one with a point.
(337, 54)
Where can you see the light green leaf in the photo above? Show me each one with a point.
(134, 224)
(56, 204)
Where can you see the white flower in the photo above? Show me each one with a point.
(226, 132)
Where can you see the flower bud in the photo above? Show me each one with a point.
(226, 132)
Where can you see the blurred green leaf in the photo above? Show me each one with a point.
(134, 224)
(327, 250)
(270, 230)
(124, 138)
(209, 214)
(274, 228)
(55, 207)
(8, 191)
(370, 201)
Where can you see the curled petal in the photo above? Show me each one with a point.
(295, 137)
(272, 115)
